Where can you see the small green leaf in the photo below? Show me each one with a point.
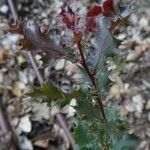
(85, 77)
(117, 60)
(84, 138)
(52, 92)
(62, 103)
(111, 113)
(88, 110)
(127, 142)
(102, 82)
(81, 134)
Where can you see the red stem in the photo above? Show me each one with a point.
(92, 78)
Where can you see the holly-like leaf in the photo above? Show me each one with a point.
(83, 136)
(117, 60)
(68, 16)
(36, 40)
(102, 82)
(108, 7)
(103, 44)
(95, 11)
(88, 110)
(127, 142)
(111, 113)
(105, 8)
(52, 92)
(85, 77)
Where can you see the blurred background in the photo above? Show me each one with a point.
(130, 92)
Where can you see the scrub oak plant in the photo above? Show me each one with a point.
(87, 41)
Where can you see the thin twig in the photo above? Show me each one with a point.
(13, 10)
(59, 117)
(34, 66)
(6, 127)
(92, 78)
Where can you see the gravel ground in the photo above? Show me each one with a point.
(31, 119)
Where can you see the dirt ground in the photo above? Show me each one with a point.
(31, 119)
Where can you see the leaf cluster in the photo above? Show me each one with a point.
(91, 130)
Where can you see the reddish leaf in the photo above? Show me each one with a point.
(107, 7)
(95, 11)
(36, 40)
(90, 23)
(68, 16)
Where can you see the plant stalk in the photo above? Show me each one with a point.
(92, 78)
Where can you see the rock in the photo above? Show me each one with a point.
(138, 115)
(123, 111)
(20, 59)
(25, 124)
(149, 116)
(23, 77)
(15, 121)
(40, 111)
(138, 102)
(148, 105)
(13, 75)
(5, 54)
(60, 64)
(134, 19)
(4, 9)
(132, 67)
(130, 107)
(17, 88)
(122, 36)
(133, 55)
(10, 109)
(148, 132)
(42, 143)
(1, 77)
(25, 144)
(115, 91)
(144, 22)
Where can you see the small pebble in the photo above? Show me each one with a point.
(4, 9)
(25, 124)
(60, 64)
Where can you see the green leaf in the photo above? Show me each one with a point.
(83, 137)
(102, 82)
(127, 142)
(111, 113)
(88, 110)
(81, 134)
(62, 103)
(52, 92)
(117, 60)
(85, 77)
(103, 45)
